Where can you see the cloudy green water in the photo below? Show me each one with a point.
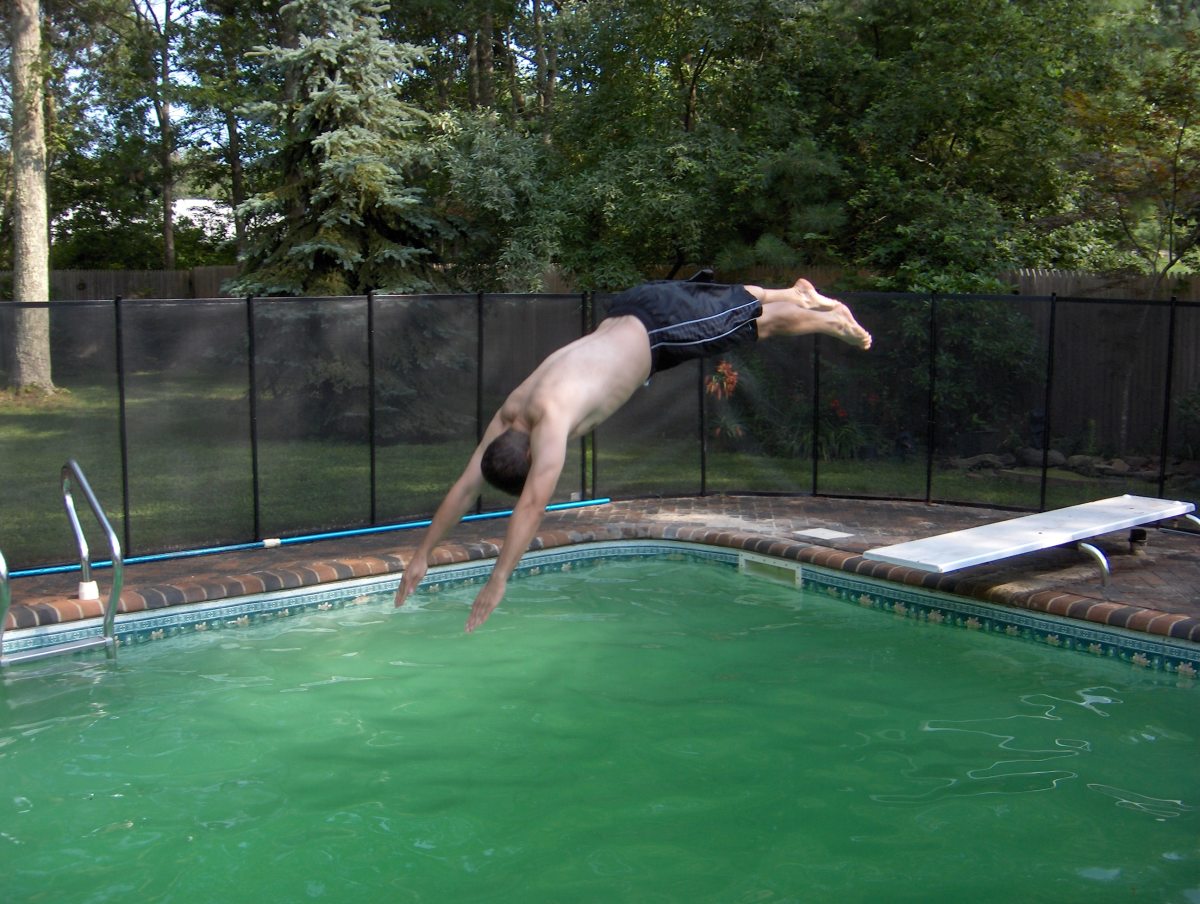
(642, 732)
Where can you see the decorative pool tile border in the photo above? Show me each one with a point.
(1136, 648)
(1140, 650)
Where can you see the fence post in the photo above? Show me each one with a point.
(1164, 451)
(702, 422)
(587, 472)
(371, 400)
(479, 413)
(931, 414)
(252, 376)
(816, 412)
(1048, 398)
(122, 427)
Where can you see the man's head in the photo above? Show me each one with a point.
(505, 462)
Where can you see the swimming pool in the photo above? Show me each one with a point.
(620, 731)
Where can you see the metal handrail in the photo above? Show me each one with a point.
(5, 603)
(71, 470)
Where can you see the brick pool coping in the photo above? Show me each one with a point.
(1054, 583)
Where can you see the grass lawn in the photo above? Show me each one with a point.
(191, 476)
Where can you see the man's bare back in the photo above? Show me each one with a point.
(583, 383)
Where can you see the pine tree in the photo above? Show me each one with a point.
(343, 218)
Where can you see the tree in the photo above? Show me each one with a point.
(1143, 151)
(488, 179)
(225, 78)
(31, 237)
(947, 119)
(657, 136)
(344, 217)
(156, 26)
(105, 145)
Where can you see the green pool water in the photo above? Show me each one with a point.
(633, 731)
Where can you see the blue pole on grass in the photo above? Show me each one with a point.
(292, 541)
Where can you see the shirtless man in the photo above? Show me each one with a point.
(649, 328)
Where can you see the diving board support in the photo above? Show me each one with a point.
(1100, 557)
(1075, 525)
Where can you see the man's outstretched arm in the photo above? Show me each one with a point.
(458, 501)
(548, 451)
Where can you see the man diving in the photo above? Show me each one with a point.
(647, 329)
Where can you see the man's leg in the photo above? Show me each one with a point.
(797, 319)
(803, 293)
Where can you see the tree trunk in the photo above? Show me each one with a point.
(545, 57)
(166, 132)
(539, 53)
(237, 179)
(485, 55)
(31, 235)
(472, 71)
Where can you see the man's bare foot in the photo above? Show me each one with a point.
(807, 296)
(840, 323)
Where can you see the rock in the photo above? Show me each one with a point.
(978, 462)
(1029, 457)
(1083, 464)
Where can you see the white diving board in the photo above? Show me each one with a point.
(1030, 533)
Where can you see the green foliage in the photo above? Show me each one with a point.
(487, 180)
(344, 217)
(1142, 148)
(1187, 414)
(933, 144)
(644, 206)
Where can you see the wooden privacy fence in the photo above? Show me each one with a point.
(91, 285)
(206, 282)
(1078, 284)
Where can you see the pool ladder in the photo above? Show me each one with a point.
(72, 473)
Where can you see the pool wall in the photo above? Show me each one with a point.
(929, 606)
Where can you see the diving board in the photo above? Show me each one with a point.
(1030, 533)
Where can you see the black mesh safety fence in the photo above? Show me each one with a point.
(1106, 402)
(872, 409)
(757, 426)
(187, 424)
(1181, 409)
(312, 417)
(426, 365)
(988, 371)
(38, 435)
(219, 421)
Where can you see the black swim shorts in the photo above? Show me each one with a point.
(689, 320)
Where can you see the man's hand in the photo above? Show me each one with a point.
(487, 600)
(413, 575)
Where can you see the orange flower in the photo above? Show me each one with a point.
(723, 382)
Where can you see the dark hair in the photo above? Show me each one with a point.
(505, 462)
